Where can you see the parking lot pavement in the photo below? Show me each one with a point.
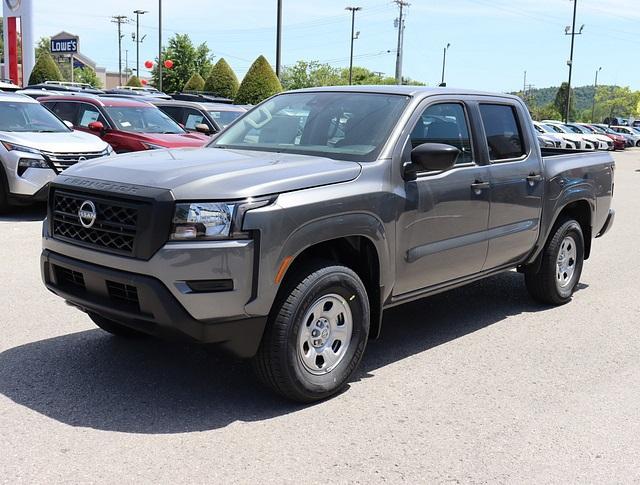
(479, 384)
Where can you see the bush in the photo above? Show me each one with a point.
(45, 69)
(259, 83)
(195, 83)
(222, 80)
(134, 82)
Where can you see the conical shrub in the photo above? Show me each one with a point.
(222, 80)
(45, 69)
(195, 83)
(259, 83)
(134, 81)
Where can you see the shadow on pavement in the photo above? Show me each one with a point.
(36, 212)
(91, 379)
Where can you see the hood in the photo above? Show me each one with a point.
(64, 142)
(167, 140)
(217, 173)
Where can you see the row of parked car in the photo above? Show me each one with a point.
(586, 136)
(47, 128)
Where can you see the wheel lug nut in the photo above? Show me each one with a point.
(315, 333)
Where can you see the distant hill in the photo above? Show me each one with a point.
(583, 96)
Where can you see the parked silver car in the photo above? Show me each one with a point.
(35, 146)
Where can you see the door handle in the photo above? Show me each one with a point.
(534, 178)
(479, 186)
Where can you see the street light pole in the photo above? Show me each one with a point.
(573, 34)
(353, 37)
(444, 63)
(595, 90)
(159, 45)
(138, 41)
(279, 40)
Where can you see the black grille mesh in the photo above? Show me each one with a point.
(114, 229)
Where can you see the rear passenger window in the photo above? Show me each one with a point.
(66, 111)
(503, 131)
(444, 123)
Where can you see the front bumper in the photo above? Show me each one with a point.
(144, 303)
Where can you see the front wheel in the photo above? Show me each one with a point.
(316, 334)
(638, 143)
(559, 273)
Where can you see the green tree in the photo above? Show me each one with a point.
(86, 75)
(134, 82)
(259, 83)
(546, 112)
(308, 74)
(616, 101)
(222, 80)
(195, 83)
(45, 69)
(560, 102)
(187, 60)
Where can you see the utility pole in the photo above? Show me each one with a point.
(159, 45)
(572, 32)
(444, 63)
(279, 39)
(119, 19)
(354, 36)
(400, 25)
(524, 84)
(595, 90)
(138, 39)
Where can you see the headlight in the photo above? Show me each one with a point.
(212, 220)
(151, 146)
(12, 146)
(25, 163)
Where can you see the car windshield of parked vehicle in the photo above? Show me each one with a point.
(557, 128)
(577, 129)
(588, 129)
(224, 118)
(140, 119)
(338, 125)
(29, 117)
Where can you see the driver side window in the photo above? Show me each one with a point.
(444, 123)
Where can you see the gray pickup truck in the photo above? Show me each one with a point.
(288, 236)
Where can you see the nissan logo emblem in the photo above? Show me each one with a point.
(13, 4)
(87, 214)
(82, 159)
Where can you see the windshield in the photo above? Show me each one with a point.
(339, 125)
(224, 118)
(29, 117)
(588, 129)
(577, 129)
(557, 128)
(142, 119)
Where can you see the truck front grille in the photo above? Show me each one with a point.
(62, 161)
(114, 227)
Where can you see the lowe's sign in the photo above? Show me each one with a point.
(64, 46)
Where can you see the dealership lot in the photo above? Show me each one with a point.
(476, 385)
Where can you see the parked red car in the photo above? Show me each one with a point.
(128, 125)
(619, 141)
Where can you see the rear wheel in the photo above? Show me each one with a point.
(115, 328)
(561, 266)
(316, 334)
(638, 143)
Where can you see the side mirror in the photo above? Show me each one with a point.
(432, 157)
(96, 126)
(68, 124)
(203, 128)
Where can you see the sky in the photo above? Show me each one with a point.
(492, 41)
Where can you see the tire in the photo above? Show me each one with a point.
(558, 276)
(115, 328)
(638, 143)
(4, 196)
(291, 358)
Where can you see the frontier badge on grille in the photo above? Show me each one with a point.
(87, 214)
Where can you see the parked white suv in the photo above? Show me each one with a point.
(35, 146)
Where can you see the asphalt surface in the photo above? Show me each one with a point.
(476, 385)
